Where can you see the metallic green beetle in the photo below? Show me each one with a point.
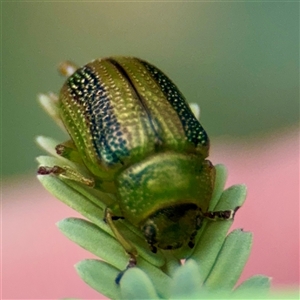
(134, 131)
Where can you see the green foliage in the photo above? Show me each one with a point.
(210, 270)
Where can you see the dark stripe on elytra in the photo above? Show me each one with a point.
(86, 88)
(154, 126)
(194, 132)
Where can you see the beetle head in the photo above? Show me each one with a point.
(172, 227)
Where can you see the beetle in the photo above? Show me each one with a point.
(134, 131)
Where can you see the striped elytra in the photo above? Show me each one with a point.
(120, 110)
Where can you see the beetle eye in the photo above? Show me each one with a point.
(149, 231)
(191, 244)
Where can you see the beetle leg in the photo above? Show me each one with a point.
(129, 248)
(131, 264)
(221, 215)
(68, 150)
(66, 172)
(69, 173)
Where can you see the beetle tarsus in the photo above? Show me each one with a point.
(221, 215)
(44, 170)
(235, 210)
(131, 264)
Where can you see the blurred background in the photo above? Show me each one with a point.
(238, 60)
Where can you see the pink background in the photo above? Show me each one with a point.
(37, 261)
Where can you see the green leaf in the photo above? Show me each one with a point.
(230, 261)
(75, 200)
(87, 204)
(96, 241)
(135, 284)
(172, 263)
(186, 281)
(49, 103)
(160, 280)
(217, 260)
(100, 276)
(92, 238)
(214, 232)
(258, 283)
(48, 144)
(220, 181)
(232, 197)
